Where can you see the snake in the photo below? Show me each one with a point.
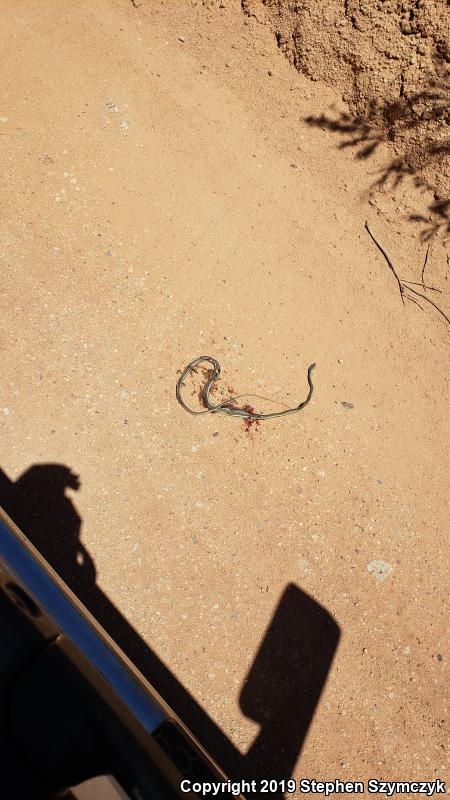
(225, 408)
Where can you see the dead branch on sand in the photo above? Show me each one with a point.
(406, 286)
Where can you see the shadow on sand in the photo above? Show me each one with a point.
(426, 114)
(284, 685)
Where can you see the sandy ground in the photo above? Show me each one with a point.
(164, 198)
(390, 60)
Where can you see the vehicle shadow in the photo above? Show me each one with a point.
(283, 687)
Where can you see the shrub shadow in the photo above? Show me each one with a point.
(384, 122)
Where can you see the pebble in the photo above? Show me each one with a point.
(379, 569)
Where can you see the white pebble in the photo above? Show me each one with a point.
(379, 569)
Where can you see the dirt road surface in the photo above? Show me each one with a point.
(164, 198)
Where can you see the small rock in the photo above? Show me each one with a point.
(347, 405)
(379, 569)
(181, 39)
(269, 72)
(303, 564)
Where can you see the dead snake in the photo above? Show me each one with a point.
(224, 407)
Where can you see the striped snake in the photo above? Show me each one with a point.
(225, 407)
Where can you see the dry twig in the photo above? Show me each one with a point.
(391, 266)
(406, 286)
(424, 266)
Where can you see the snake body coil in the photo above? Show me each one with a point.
(224, 407)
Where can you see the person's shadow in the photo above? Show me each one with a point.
(284, 684)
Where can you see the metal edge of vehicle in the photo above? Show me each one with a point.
(58, 613)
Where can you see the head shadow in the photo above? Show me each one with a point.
(38, 504)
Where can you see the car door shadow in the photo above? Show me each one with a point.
(284, 684)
